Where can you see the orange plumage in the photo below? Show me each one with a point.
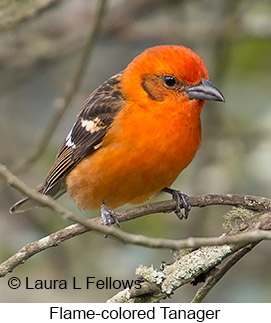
(136, 132)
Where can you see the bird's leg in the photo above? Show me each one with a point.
(108, 215)
(181, 200)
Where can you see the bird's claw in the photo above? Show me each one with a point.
(108, 215)
(182, 202)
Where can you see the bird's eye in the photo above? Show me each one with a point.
(169, 80)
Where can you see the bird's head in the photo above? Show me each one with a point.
(168, 72)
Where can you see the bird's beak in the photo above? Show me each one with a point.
(205, 90)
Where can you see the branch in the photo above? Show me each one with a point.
(62, 104)
(84, 224)
(160, 284)
(213, 279)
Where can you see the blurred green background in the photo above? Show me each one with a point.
(37, 60)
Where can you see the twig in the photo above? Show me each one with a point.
(32, 248)
(71, 231)
(63, 104)
(255, 203)
(215, 278)
(95, 224)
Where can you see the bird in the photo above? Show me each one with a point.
(133, 135)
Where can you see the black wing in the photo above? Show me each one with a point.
(86, 135)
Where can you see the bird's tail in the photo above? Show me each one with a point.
(23, 205)
(27, 203)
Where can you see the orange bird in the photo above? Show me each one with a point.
(134, 134)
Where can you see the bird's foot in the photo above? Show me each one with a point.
(108, 215)
(182, 201)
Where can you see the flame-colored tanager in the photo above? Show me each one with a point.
(134, 134)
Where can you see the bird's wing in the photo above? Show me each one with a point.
(86, 135)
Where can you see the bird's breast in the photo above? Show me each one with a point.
(168, 135)
(143, 152)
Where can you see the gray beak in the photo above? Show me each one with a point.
(205, 90)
